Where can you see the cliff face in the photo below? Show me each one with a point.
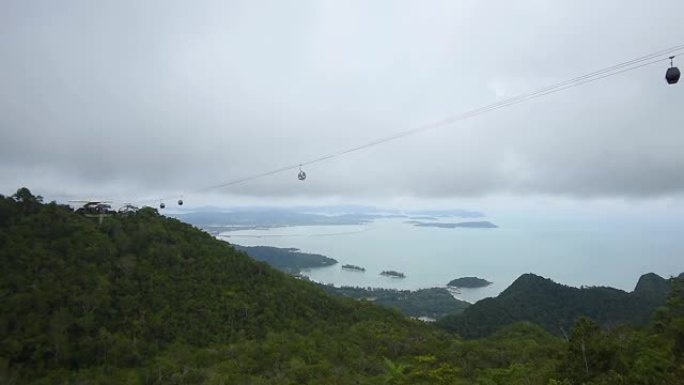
(653, 285)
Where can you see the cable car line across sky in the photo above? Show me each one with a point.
(617, 69)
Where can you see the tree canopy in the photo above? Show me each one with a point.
(145, 299)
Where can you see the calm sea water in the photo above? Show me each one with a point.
(573, 250)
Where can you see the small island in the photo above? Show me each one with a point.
(393, 274)
(467, 225)
(423, 218)
(353, 268)
(469, 282)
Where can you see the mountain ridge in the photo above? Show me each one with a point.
(555, 307)
(146, 296)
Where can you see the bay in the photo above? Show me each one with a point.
(588, 250)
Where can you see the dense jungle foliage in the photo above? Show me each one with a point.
(557, 307)
(434, 303)
(144, 299)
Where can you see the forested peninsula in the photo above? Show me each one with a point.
(286, 259)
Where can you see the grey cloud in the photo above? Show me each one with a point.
(160, 97)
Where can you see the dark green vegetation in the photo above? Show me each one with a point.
(469, 282)
(392, 273)
(556, 307)
(144, 299)
(433, 303)
(353, 267)
(468, 225)
(288, 260)
(148, 299)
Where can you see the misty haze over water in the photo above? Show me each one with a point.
(574, 250)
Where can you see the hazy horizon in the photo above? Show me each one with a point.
(572, 250)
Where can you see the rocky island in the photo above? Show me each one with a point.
(469, 282)
(393, 274)
(353, 268)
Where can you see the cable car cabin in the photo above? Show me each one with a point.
(301, 175)
(180, 202)
(672, 75)
(162, 205)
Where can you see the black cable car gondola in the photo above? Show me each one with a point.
(672, 75)
(302, 174)
(162, 205)
(180, 202)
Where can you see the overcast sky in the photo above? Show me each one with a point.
(138, 99)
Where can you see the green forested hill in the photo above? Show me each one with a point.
(556, 307)
(143, 291)
(434, 303)
(144, 299)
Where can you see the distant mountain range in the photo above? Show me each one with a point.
(237, 220)
(467, 225)
(345, 209)
(213, 218)
(555, 307)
